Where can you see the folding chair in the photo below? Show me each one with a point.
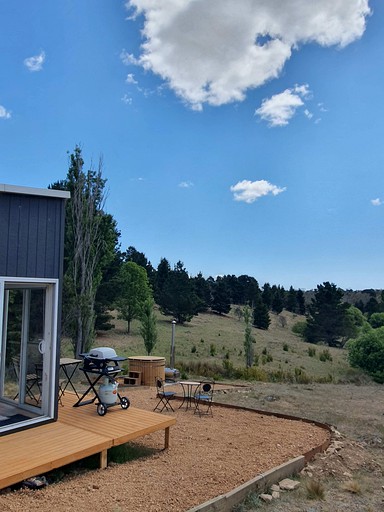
(203, 398)
(31, 380)
(163, 396)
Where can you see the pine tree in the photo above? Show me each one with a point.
(220, 298)
(267, 295)
(291, 302)
(178, 297)
(327, 316)
(261, 318)
(300, 302)
(278, 299)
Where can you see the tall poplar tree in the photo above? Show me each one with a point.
(90, 239)
(248, 338)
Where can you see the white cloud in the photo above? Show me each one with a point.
(126, 99)
(308, 114)
(186, 184)
(322, 108)
(212, 52)
(280, 108)
(249, 191)
(376, 202)
(128, 58)
(36, 62)
(131, 79)
(4, 113)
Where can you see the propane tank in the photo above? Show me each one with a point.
(108, 391)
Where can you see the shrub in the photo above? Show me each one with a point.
(367, 353)
(311, 352)
(352, 486)
(193, 349)
(299, 328)
(376, 320)
(212, 349)
(266, 358)
(228, 369)
(285, 347)
(301, 376)
(325, 355)
(315, 489)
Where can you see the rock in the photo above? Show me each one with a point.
(266, 497)
(272, 398)
(275, 495)
(275, 487)
(288, 485)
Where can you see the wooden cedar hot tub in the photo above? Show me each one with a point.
(150, 367)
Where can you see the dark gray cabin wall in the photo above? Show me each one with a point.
(32, 232)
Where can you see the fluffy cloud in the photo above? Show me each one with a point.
(35, 63)
(376, 202)
(248, 191)
(280, 108)
(4, 113)
(213, 52)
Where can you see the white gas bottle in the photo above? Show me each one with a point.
(108, 391)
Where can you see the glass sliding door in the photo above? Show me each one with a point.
(28, 346)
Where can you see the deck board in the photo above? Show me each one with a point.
(78, 433)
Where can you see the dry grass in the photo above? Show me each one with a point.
(346, 474)
(352, 486)
(214, 340)
(315, 490)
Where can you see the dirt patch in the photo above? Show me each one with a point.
(208, 456)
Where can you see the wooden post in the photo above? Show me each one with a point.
(103, 459)
(166, 438)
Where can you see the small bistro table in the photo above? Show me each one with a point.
(189, 388)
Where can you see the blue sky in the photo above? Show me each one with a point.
(238, 137)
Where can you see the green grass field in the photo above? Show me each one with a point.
(213, 340)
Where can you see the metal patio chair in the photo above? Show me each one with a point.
(163, 396)
(203, 398)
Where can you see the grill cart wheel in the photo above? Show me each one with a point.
(102, 409)
(124, 402)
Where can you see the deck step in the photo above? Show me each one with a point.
(131, 379)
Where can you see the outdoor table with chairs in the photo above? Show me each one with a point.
(197, 395)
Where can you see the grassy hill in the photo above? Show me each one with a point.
(213, 341)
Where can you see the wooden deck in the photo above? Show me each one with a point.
(78, 433)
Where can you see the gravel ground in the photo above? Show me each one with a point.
(208, 456)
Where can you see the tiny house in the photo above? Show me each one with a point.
(31, 266)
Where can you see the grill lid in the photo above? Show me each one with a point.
(102, 353)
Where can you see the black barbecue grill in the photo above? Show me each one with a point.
(101, 365)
